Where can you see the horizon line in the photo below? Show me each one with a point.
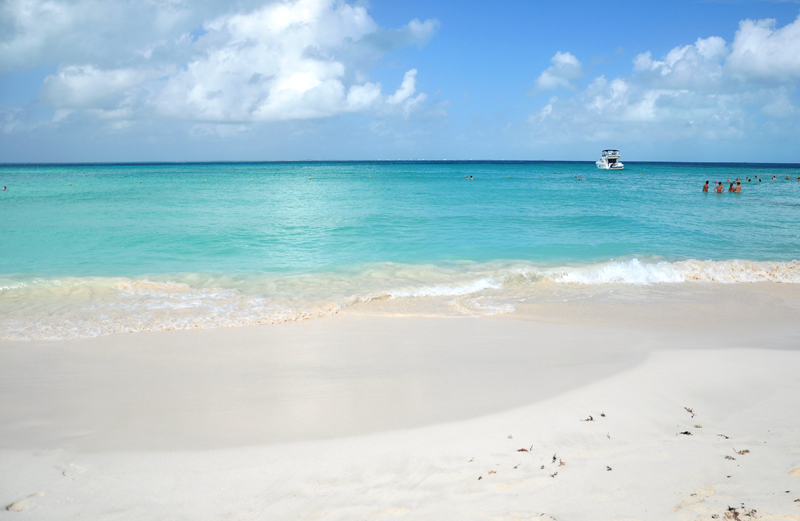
(435, 161)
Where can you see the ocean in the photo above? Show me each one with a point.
(88, 250)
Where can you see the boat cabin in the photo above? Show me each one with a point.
(609, 160)
(611, 156)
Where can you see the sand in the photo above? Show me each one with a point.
(676, 407)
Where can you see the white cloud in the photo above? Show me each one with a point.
(103, 33)
(697, 66)
(404, 95)
(362, 97)
(762, 52)
(285, 60)
(621, 109)
(565, 68)
(708, 90)
(407, 88)
(78, 87)
(278, 63)
(779, 105)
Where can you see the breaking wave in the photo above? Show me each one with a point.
(636, 272)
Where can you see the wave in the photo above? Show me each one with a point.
(446, 291)
(638, 273)
(73, 307)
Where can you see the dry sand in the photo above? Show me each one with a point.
(692, 400)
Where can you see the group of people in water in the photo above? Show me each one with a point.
(737, 187)
(719, 188)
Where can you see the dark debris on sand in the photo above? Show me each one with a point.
(739, 513)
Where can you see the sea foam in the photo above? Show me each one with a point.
(639, 273)
(74, 307)
(446, 291)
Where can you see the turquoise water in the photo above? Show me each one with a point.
(230, 244)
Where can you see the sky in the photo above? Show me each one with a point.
(261, 80)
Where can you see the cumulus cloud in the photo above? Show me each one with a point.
(762, 52)
(103, 33)
(286, 60)
(405, 94)
(565, 68)
(707, 90)
(696, 66)
(79, 87)
(406, 90)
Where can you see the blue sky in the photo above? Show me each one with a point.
(172, 80)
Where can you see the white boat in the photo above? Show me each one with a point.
(610, 161)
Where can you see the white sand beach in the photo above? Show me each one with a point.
(678, 402)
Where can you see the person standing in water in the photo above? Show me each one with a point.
(705, 187)
(738, 188)
(719, 188)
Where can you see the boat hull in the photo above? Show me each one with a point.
(602, 165)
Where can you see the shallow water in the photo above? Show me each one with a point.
(95, 249)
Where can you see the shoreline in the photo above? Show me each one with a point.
(87, 307)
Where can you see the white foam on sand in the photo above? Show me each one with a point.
(81, 307)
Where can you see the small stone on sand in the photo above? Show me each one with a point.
(22, 504)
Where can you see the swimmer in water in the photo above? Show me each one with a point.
(705, 187)
(738, 188)
(773, 178)
(719, 188)
(731, 188)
